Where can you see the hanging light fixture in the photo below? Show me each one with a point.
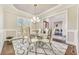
(35, 18)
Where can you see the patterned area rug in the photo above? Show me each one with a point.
(23, 47)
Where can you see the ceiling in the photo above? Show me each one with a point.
(31, 9)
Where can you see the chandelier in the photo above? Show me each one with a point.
(35, 18)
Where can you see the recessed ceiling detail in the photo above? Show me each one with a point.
(30, 7)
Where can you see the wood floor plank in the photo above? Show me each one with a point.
(8, 49)
(71, 50)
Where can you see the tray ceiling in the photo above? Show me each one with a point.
(31, 9)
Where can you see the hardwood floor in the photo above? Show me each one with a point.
(71, 50)
(9, 50)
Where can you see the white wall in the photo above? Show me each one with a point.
(1, 28)
(78, 29)
(10, 20)
(59, 17)
(71, 22)
(72, 25)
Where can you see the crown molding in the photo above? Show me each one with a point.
(50, 9)
(10, 8)
(55, 10)
(43, 15)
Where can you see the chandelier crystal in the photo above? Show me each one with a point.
(35, 18)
